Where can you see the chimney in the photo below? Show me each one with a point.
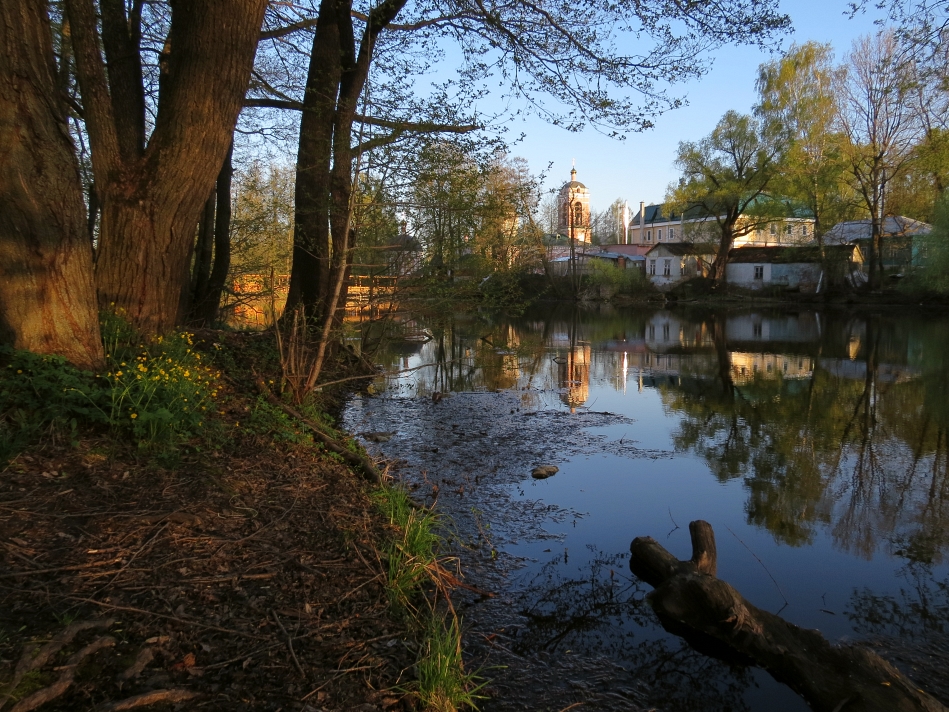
(642, 222)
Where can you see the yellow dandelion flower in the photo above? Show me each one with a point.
(134, 416)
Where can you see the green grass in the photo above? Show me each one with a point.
(412, 553)
(443, 683)
(414, 569)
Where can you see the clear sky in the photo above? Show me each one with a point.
(641, 167)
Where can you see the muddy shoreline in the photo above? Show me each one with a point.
(472, 455)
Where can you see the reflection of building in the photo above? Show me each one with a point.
(745, 367)
(573, 375)
(573, 210)
(791, 328)
(666, 330)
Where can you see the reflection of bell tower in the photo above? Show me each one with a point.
(573, 210)
(574, 376)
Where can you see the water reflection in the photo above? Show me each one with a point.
(832, 420)
(595, 609)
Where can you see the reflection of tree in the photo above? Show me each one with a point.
(852, 443)
(910, 627)
(867, 456)
(594, 610)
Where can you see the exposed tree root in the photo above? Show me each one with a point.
(147, 698)
(33, 660)
(41, 697)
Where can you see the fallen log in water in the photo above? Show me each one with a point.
(831, 678)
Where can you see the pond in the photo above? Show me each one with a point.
(814, 442)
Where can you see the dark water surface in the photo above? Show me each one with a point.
(815, 443)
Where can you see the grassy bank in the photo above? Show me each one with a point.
(170, 536)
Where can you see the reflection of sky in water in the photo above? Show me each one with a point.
(877, 384)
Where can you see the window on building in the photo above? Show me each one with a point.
(667, 268)
(659, 235)
(773, 229)
(648, 235)
(756, 330)
(665, 332)
(652, 331)
(759, 271)
(788, 229)
(672, 233)
(804, 229)
(652, 266)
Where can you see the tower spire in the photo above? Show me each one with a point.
(573, 170)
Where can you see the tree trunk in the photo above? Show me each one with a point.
(309, 274)
(47, 294)
(151, 203)
(324, 182)
(721, 257)
(222, 244)
(692, 601)
(203, 255)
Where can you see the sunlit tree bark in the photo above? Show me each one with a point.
(47, 294)
(152, 193)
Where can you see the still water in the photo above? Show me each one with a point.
(814, 442)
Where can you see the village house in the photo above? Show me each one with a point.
(808, 269)
(903, 240)
(670, 263)
(655, 224)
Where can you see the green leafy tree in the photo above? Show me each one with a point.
(726, 176)
(797, 95)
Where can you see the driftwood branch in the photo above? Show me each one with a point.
(831, 678)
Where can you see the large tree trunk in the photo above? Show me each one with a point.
(309, 274)
(324, 180)
(692, 602)
(151, 202)
(47, 294)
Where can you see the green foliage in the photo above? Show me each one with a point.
(798, 100)
(505, 290)
(726, 177)
(443, 684)
(270, 421)
(43, 393)
(412, 555)
(934, 254)
(159, 389)
(603, 273)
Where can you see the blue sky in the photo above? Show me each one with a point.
(640, 168)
